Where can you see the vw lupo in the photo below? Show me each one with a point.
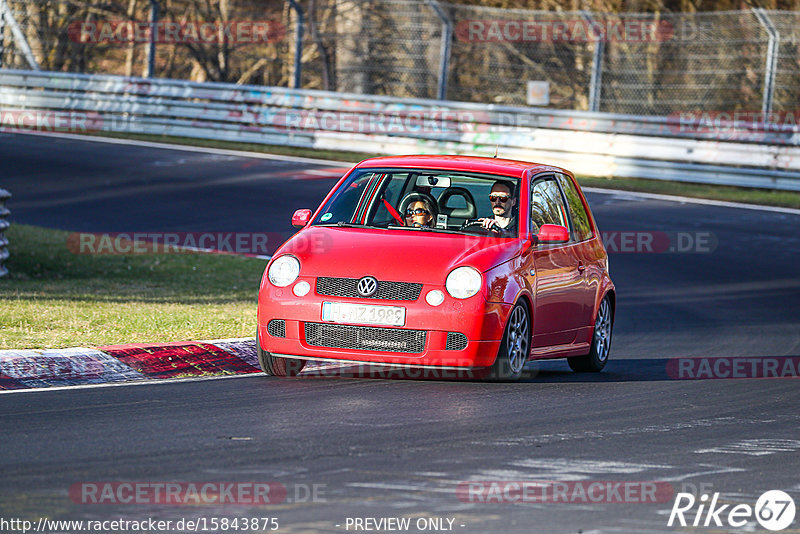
(489, 282)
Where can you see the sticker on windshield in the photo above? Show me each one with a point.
(326, 217)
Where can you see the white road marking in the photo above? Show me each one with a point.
(714, 471)
(398, 487)
(689, 200)
(148, 382)
(594, 434)
(322, 172)
(188, 148)
(755, 447)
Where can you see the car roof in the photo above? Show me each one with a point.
(504, 167)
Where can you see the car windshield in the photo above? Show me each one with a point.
(424, 200)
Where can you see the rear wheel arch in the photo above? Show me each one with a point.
(612, 299)
(597, 357)
(605, 291)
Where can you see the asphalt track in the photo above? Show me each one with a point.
(402, 448)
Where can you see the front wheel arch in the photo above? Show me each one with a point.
(509, 362)
(277, 366)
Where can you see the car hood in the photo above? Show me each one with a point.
(398, 255)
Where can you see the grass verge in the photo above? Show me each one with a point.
(787, 199)
(53, 298)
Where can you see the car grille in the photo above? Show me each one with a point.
(365, 337)
(456, 341)
(346, 287)
(277, 328)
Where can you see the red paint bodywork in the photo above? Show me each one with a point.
(563, 295)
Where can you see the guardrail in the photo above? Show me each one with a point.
(4, 224)
(595, 144)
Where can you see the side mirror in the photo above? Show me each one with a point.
(550, 234)
(301, 217)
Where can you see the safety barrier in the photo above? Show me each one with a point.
(695, 148)
(4, 224)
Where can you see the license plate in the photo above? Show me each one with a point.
(343, 312)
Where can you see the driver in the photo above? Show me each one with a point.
(503, 203)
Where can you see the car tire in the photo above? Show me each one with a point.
(275, 366)
(601, 341)
(514, 348)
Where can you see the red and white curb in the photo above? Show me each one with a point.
(140, 363)
(34, 368)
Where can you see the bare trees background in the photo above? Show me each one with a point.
(714, 59)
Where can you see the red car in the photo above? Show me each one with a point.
(441, 261)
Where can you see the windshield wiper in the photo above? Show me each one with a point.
(343, 224)
(425, 229)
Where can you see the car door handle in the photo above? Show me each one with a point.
(581, 268)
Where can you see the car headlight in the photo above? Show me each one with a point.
(284, 271)
(463, 282)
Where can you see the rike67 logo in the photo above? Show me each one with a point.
(774, 510)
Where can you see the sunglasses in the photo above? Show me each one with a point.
(418, 211)
(499, 198)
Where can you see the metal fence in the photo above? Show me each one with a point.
(632, 63)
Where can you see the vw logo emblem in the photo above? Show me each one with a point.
(367, 286)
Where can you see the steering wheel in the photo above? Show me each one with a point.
(477, 227)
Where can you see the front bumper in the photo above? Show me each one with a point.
(481, 323)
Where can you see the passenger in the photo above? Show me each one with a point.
(419, 214)
(420, 210)
(503, 203)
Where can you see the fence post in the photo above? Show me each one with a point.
(151, 49)
(447, 38)
(298, 43)
(771, 60)
(2, 36)
(20, 42)
(4, 224)
(596, 81)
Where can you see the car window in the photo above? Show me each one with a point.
(393, 188)
(342, 206)
(379, 197)
(547, 206)
(581, 227)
